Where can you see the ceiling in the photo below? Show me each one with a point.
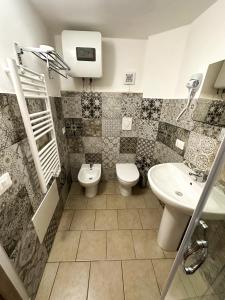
(120, 18)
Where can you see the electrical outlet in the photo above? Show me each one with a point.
(179, 144)
(63, 130)
(5, 182)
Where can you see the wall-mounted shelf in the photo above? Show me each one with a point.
(52, 59)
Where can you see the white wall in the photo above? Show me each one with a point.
(164, 56)
(20, 23)
(119, 56)
(205, 44)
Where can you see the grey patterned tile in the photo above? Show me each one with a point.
(208, 130)
(71, 104)
(216, 113)
(15, 213)
(95, 158)
(127, 157)
(109, 174)
(147, 129)
(143, 164)
(151, 109)
(92, 127)
(171, 108)
(111, 105)
(76, 160)
(111, 127)
(168, 134)
(29, 259)
(92, 144)
(91, 103)
(75, 145)
(201, 150)
(11, 124)
(164, 154)
(128, 144)
(145, 147)
(74, 127)
(131, 105)
(110, 152)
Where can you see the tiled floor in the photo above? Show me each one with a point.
(106, 248)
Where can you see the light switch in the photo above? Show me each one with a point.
(5, 183)
(180, 144)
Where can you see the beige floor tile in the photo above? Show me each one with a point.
(76, 202)
(92, 245)
(150, 218)
(151, 201)
(169, 254)
(83, 220)
(98, 202)
(120, 245)
(129, 219)
(137, 190)
(115, 202)
(135, 201)
(106, 219)
(65, 246)
(162, 268)
(47, 281)
(71, 281)
(145, 244)
(106, 281)
(76, 189)
(66, 220)
(108, 187)
(139, 280)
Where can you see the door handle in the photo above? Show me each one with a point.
(199, 248)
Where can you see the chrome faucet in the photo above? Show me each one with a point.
(91, 165)
(198, 175)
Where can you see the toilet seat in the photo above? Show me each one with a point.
(127, 172)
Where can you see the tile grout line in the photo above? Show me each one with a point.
(54, 281)
(78, 245)
(89, 275)
(155, 277)
(74, 211)
(131, 231)
(123, 280)
(140, 218)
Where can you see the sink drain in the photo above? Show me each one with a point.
(178, 193)
(90, 178)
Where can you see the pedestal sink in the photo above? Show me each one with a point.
(173, 185)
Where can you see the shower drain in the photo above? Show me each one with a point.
(178, 193)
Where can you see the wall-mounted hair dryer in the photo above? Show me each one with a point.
(193, 85)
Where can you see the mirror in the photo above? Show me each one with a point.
(210, 108)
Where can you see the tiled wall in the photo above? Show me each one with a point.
(19, 203)
(93, 130)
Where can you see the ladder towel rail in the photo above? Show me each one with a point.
(37, 124)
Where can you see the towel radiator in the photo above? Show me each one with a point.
(29, 84)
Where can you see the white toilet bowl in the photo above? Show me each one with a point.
(89, 178)
(128, 176)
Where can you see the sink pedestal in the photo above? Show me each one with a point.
(172, 227)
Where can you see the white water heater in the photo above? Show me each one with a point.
(82, 50)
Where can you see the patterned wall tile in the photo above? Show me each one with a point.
(148, 129)
(171, 108)
(216, 113)
(201, 151)
(111, 105)
(91, 104)
(164, 154)
(143, 164)
(93, 158)
(151, 109)
(145, 147)
(15, 214)
(128, 144)
(208, 130)
(110, 152)
(75, 145)
(92, 144)
(11, 124)
(76, 160)
(111, 127)
(131, 105)
(71, 104)
(168, 134)
(109, 174)
(74, 127)
(92, 127)
(127, 158)
(29, 259)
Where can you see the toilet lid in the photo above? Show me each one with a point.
(127, 172)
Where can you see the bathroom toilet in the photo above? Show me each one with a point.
(128, 176)
(89, 177)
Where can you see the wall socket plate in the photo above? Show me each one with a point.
(179, 144)
(129, 78)
(5, 183)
